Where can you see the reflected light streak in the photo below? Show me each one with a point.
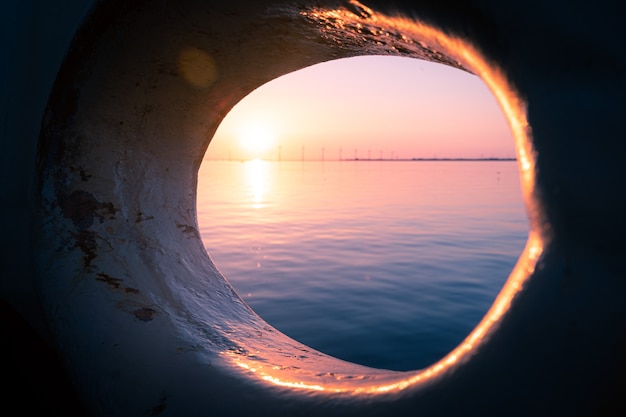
(358, 380)
(257, 179)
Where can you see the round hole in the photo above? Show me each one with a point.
(368, 207)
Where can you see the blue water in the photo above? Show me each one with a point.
(384, 263)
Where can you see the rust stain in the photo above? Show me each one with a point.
(106, 212)
(145, 313)
(108, 279)
(159, 408)
(79, 207)
(83, 175)
(82, 208)
(86, 241)
(188, 229)
(140, 217)
(115, 283)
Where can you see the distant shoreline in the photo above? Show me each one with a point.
(376, 160)
(428, 159)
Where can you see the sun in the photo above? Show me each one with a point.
(256, 139)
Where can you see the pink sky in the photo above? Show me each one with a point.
(368, 106)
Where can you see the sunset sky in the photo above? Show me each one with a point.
(364, 107)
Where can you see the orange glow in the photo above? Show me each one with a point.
(320, 373)
(197, 67)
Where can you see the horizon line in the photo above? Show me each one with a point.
(364, 159)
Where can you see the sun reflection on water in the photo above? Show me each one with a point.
(257, 179)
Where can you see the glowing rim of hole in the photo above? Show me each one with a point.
(515, 113)
(257, 129)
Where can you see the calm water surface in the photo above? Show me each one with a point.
(387, 264)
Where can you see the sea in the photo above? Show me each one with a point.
(384, 263)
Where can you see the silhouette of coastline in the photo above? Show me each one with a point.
(428, 159)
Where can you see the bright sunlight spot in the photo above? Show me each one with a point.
(256, 138)
(257, 178)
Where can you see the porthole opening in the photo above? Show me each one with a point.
(367, 207)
